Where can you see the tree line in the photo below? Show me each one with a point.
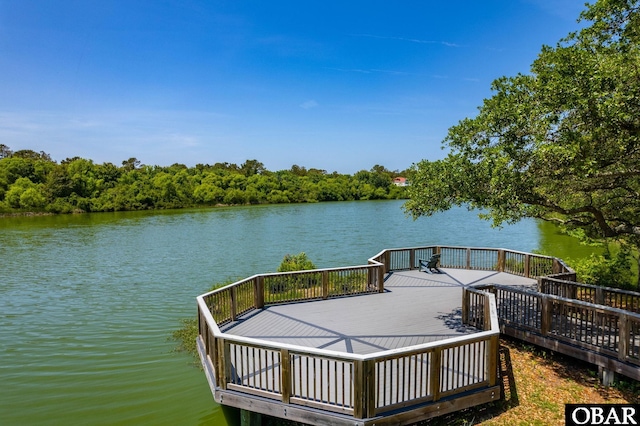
(31, 181)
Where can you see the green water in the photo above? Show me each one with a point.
(88, 302)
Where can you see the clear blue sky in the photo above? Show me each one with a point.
(335, 85)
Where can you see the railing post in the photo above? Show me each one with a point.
(527, 262)
(211, 346)
(369, 389)
(543, 285)
(325, 284)
(599, 296)
(545, 315)
(465, 306)
(434, 374)
(285, 375)
(359, 396)
(258, 289)
(486, 314)
(224, 363)
(381, 279)
(623, 338)
(468, 258)
(493, 353)
(501, 260)
(234, 303)
(372, 390)
(412, 258)
(203, 327)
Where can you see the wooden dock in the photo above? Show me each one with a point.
(415, 308)
(386, 343)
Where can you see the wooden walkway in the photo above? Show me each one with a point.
(417, 307)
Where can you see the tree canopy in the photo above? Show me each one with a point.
(559, 144)
(33, 182)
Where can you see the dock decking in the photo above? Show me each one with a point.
(416, 307)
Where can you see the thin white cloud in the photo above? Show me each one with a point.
(391, 72)
(357, 70)
(309, 104)
(410, 40)
(109, 135)
(369, 71)
(184, 140)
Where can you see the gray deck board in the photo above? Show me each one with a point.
(416, 308)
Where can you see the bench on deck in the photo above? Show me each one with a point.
(430, 265)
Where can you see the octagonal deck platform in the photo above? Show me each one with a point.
(381, 343)
(416, 307)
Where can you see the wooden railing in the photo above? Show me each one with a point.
(255, 292)
(290, 374)
(603, 330)
(476, 258)
(606, 296)
(350, 384)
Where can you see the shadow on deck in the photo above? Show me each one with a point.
(415, 308)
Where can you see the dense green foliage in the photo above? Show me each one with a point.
(560, 144)
(607, 269)
(296, 262)
(31, 181)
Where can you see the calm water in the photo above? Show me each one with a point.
(88, 302)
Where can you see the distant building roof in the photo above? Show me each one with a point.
(400, 181)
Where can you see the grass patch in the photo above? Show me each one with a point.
(186, 335)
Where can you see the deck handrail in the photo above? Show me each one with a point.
(353, 356)
(520, 264)
(250, 293)
(440, 377)
(605, 330)
(600, 295)
(515, 262)
(371, 382)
